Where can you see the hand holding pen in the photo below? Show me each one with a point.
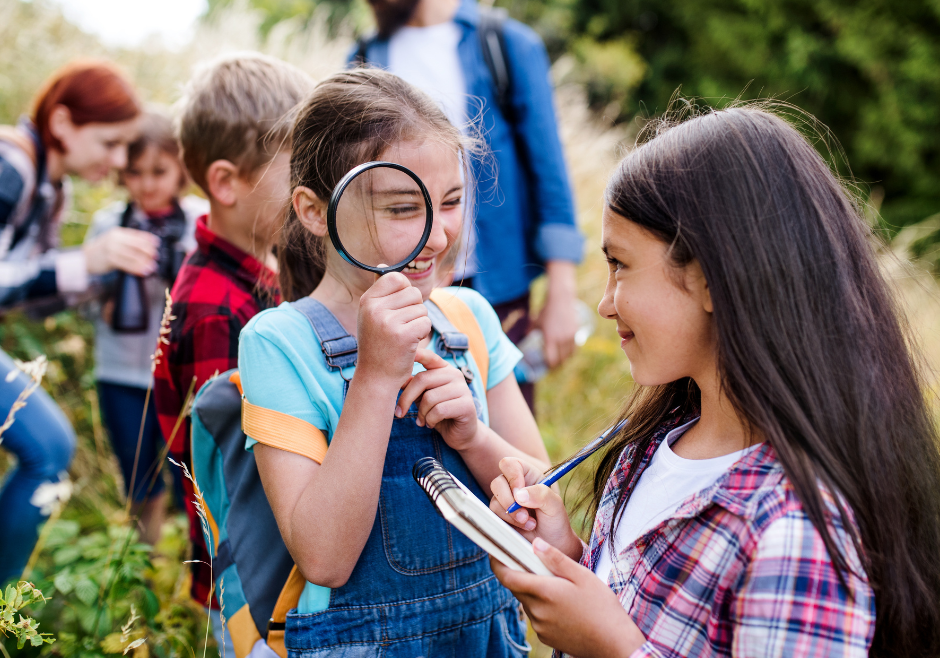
(557, 472)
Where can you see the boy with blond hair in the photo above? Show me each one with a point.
(233, 128)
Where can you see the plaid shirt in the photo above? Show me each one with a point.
(217, 291)
(738, 570)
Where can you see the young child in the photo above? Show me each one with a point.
(234, 140)
(154, 178)
(385, 572)
(775, 492)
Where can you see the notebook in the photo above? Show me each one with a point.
(469, 515)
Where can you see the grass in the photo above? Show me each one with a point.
(148, 591)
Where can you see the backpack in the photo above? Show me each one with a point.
(493, 45)
(256, 580)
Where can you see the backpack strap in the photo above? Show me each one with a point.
(493, 45)
(462, 318)
(362, 48)
(290, 595)
(280, 430)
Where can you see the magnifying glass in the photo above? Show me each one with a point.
(379, 217)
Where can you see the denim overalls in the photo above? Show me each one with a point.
(420, 588)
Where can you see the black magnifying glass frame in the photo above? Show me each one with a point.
(334, 203)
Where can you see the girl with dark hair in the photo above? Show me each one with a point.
(358, 362)
(83, 119)
(776, 490)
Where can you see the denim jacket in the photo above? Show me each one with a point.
(526, 217)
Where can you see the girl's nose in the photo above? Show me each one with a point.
(438, 240)
(605, 308)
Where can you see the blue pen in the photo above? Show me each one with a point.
(562, 469)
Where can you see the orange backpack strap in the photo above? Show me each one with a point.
(283, 431)
(463, 319)
(280, 430)
(290, 595)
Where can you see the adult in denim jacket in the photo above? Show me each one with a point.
(525, 223)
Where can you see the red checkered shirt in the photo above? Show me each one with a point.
(738, 570)
(218, 289)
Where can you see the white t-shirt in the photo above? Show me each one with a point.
(427, 58)
(667, 481)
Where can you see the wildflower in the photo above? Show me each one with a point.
(126, 628)
(50, 496)
(134, 645)
(162, 339)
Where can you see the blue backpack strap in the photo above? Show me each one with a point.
(339, 348)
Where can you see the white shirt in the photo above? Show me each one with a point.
(427, 58)
(667, 481)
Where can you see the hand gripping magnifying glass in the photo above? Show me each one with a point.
(380, 213)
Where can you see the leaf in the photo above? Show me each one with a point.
(151, 604)
(67, 555)
(87, 591)
(64, 581)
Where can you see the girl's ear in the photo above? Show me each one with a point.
(697, 286)
(310, 210)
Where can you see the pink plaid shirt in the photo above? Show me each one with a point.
(738, 570)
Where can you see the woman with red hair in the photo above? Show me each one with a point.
(83, 119)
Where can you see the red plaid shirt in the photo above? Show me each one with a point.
(218, 289)
(738, 570)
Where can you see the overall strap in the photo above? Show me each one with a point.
(339, 348)
(451, 341)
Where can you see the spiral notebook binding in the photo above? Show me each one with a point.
(433, 478)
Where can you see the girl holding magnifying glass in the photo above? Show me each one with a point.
(384, 571)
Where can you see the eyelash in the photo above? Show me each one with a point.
(453, 203)
(614, 264)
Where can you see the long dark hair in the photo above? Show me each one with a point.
(812, 349)
(350, 118)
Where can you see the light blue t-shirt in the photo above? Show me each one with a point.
(282, 368)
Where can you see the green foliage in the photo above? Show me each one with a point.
(23, 66)
(12, 602)
(103, 576)
(866, 69)
(339, 14)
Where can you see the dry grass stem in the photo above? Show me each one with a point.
(35, 370)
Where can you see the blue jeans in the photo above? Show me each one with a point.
(43, 441)
(122, 408)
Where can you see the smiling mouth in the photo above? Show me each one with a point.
(419, 266)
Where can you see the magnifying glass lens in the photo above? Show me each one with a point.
(381, 217)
